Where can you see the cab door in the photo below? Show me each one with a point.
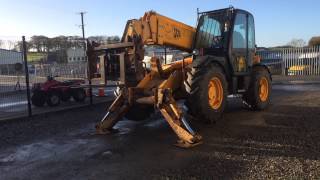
(242, 43)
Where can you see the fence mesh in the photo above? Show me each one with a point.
(297, 63)
(13, 97)
(54, 64)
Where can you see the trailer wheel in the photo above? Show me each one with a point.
(257, 96)
(207, 89)
(38, 98)
(139, 112)
(79, 94)
(53, 98)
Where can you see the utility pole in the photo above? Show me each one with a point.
(85, 52)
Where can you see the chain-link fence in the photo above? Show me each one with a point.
(54, 69)
(12, 78)
(293, 63)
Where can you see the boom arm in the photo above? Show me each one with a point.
(151, 29)
(155, 29)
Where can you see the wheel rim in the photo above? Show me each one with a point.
(54, 99)
(215, 93)
(263, 89)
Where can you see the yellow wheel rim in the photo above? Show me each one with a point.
(215, 93)
(263, 89)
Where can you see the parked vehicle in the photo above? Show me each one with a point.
(53, 92)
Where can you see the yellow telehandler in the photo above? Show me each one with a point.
(221, 61)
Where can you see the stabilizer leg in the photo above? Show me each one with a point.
(173, 115)
(115, 112)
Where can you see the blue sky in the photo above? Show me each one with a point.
(277, 21)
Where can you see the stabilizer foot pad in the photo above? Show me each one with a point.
(186, 145)
(104, 132)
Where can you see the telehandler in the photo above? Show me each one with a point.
(221, 62)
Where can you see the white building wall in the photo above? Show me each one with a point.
(76, 55)
(10, 57)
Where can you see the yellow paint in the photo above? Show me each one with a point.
(241, 64)
(161, 30)
(298, 68)
(263, 89)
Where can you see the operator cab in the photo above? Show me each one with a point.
(230, 34)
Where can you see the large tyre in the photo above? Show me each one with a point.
(38, 98)
(257, 96)
(207, 89)
(139, 112)
(79, 94)
(53, 98)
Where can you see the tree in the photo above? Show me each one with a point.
(10, 45)
(105, 39)
(1, 42)
(297, 43)
(113, 39)
(98, 39)
(314, 41)
(40, 43)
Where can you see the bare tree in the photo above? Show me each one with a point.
(1, 42)
(297, 43)
(105, 39)
(98, 39)
(314, 41)
(10, 45)
(113, 39)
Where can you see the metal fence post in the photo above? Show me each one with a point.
(85, 51)
(25, 59)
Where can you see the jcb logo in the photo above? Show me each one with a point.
(176, 33)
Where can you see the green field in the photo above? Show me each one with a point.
(35, 56)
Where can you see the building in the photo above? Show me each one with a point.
(8, 59)
(76, 55)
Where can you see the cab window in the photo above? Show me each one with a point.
(251, 40)
(210, 32)
(239, 38)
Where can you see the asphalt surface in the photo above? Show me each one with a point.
(282, 142)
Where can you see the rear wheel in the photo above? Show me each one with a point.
(38, 98)
(207, 89)
(53, 99)
(79, 94)
(257, 96)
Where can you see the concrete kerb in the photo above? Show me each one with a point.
(295, 82)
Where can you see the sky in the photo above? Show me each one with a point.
(277, 21)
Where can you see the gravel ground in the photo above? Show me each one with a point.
(282, 142)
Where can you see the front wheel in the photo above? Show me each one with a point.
(257, 96)
(207, 89)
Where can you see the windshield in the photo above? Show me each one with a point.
(211, 31)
